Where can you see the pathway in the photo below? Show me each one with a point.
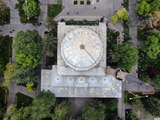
(133, 28)
(76, 106)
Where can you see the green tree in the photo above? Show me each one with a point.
(28, 48)
(114, 18)
(50, 43)
(122, 14)
(42, 105)
(29, 87)
(152, 46)
(10, 110)
(31, 8)
(61, 111)
(21, 75)
(9, 73)
(126, 54)
(4, 13)
(143, 8)
(155, 5)
(94, 111)
(152, 105)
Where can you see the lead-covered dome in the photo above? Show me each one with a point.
(81, 49)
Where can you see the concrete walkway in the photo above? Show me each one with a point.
(133, 28)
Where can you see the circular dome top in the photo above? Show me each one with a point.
(81, 49)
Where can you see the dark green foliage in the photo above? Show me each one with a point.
(155, 5)
(28, 48)
(152, 105)
(94, 111)
(42, 105)
(5, 52)
(61, 111)
(54, 10)
(4, 13)
(40, 108)
(50, 45)
(126, 54)
(84, 22)
(111, 40)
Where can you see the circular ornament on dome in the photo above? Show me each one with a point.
(81, 49)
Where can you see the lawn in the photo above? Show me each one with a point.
(23, 100)
(54, 10)
(5, 52)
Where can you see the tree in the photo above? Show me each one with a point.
(42, 105)
(152, 105)
(152, 46)
(50, 43)
(126, 54)
(61, 111)
(9, 73)
(4, 13)
(121, 14)
(40, 108)
(28, 48)
(94, 111)
(155, 5)
(114, 18)
(31, 8)
(143, 8)
(20, 75)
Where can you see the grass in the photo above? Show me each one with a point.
(54, 10)
(23, 100)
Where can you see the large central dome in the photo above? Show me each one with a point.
(81, 49)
